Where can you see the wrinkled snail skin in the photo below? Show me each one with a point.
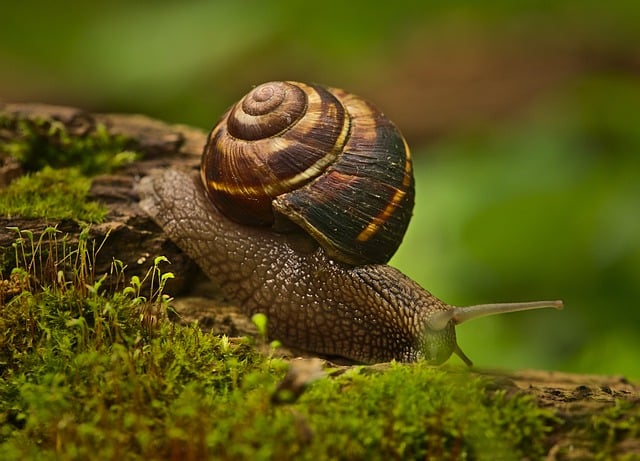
(369, 313)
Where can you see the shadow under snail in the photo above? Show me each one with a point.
(305, 193)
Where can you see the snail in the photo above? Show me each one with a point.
(305, 192)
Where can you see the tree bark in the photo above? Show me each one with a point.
(135, 240)
(132, 237)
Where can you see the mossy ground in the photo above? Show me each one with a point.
(59, 165)
(90, 373)
(50, 193)
(40, 142)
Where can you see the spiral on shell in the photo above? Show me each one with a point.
(327, 160)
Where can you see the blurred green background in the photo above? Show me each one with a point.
(523, 117)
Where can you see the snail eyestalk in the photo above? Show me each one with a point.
(439, 320)
(462, 314)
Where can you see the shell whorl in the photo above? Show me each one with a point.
(266, 111)
(327, 160)
(261, 149)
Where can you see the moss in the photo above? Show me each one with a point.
(421, 412)
(77, 385)
(86, 374)
(59, 164)
(614, 425)
(52, 194)
(37, 143)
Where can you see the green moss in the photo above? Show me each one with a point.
(38, 143)
(99, 383)
(85, 375)
(421, 412)
(53, 194)
(59, 164)
(614, 425)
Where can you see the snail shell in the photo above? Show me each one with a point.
(324, 159)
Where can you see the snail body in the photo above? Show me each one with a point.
(308, 248)
(368, 313)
